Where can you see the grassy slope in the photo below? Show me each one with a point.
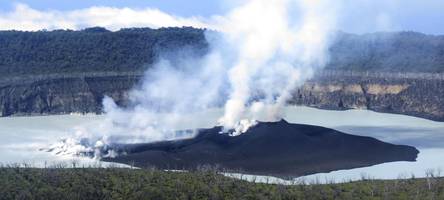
(29, 183)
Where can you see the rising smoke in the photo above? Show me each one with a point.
(262, 50)
(274, 53)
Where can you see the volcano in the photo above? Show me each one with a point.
(278, 149)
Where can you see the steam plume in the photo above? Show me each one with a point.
(274, 53)
(261, 51)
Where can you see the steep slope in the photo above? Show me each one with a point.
(415, 94)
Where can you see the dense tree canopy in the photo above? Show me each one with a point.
(91, 50)
(87, 183)
(133, 49)
(393, 52)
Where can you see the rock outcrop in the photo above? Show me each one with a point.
(61, 95)
(403, 93)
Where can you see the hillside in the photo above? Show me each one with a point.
(91, 50)
(98, 50)
(388, 52)
(64, 71)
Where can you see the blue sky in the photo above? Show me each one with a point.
(357, 16)
(183, 8)
(425, 16)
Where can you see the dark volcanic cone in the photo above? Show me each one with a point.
(269, 148)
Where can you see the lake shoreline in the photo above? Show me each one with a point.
(21, 137)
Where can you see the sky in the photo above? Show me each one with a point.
(356, 16)
(185, 8)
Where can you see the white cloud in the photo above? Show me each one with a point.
(26, 18)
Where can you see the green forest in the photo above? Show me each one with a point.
(93, 49)
(135, 49)
(120, 183)
(388, 52)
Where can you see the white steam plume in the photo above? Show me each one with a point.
(274, 52)
(262, 51)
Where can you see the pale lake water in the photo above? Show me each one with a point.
(22, 137)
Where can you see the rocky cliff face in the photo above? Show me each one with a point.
(411, 94)
(58, 95)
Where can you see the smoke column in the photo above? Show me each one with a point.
(275, 51)
(260, 52)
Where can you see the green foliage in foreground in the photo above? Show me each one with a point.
(88, 183)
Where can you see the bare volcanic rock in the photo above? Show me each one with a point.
(269, 148)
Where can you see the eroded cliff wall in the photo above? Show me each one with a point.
(60, 95)
(418, 94)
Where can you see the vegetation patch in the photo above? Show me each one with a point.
(118, 183)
